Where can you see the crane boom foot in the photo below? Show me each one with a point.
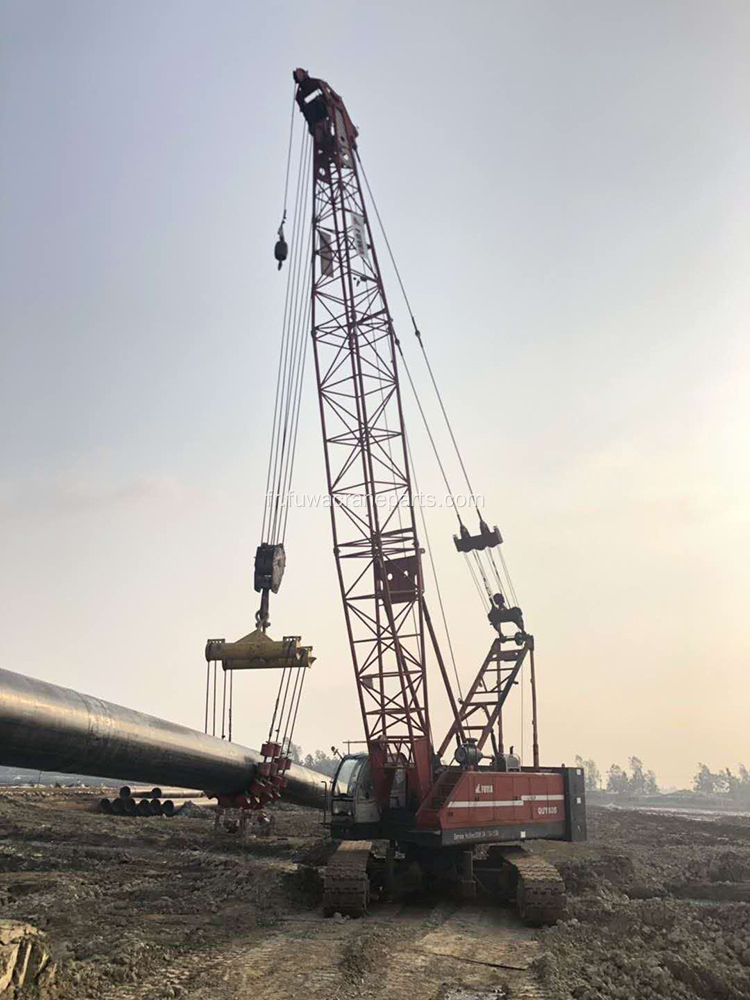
(346, 886)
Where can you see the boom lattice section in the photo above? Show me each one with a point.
(375, 538)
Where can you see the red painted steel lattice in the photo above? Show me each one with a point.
(374, 531)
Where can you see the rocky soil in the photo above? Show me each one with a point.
(659, 906)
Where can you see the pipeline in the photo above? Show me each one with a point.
(51, 728)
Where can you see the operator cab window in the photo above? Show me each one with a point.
(346, 777)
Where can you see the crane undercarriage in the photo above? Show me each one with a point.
(466, 838)
(357, 874)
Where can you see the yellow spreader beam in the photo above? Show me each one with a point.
(258, 651)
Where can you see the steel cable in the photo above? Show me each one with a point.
(287, 378)
(435, 576)
(418, 335)
(283, 351)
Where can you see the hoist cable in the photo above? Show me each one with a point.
(208, 692)
(476, 581)
(283, 347)
(292, 702)
(303, 340)
(288, 160)
(507, 573)
(445, 412)
(299, 345)
(231, 701)
(224, 709)
(398, 343)
(301, 273)
(429, 369)
(523, 717)
(296, 708)
(290, 348)
(290, 353)
(503, 576)
(435, 575)
(387, 243)
(270, 478)
(276, 706)
(496, 573)
(429, 432)
(293, 450)
(483, 575)
(416, 328)
(282, 713)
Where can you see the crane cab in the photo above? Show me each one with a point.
(352, 796)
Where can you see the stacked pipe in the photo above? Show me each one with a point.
(129, 803)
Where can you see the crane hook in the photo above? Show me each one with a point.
(281, 250)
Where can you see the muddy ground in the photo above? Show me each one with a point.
(659, 906)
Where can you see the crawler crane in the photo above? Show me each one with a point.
(432, 805)
(463, 810)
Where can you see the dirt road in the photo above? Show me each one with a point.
(157, 908)
(415, 952)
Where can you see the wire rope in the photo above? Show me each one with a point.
(291, 339)
(429, 432)
(510, 588)
(283, 355)
(435, 575)
(288, 159)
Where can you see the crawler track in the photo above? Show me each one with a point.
(540, 890)
(346, 887)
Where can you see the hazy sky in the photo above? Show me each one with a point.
(566, 189)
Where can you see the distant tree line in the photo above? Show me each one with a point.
(733, 786)
(636, 780)
(633, 781)
(591, 773)
(325, 763)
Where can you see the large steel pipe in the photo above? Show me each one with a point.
(51, 728)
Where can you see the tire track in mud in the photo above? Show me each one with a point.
(401, 953)
(475, 950)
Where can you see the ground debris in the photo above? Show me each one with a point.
(463, 993)
(150, 909)
(24, 959)
(364, 954)
(637, 930)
